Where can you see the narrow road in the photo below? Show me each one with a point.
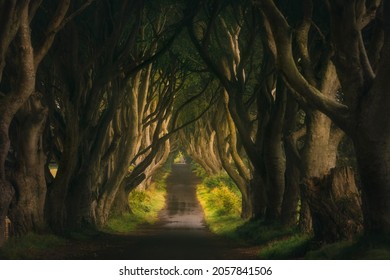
(180, 232)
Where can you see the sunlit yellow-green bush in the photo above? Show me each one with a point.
(144, 205)
(224, 201)
(221, 203)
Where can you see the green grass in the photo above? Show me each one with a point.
(144, 205)
(221, 206)
(295, 245)
(29, 245)
(257, 233)
(291, 247)
(221, 203)
(377, 254)
(353, 249)
(274, 241)
(122, 224)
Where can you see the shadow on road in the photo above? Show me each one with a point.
(180, 232)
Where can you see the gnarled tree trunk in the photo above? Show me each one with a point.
(27, 209)
(335, 205)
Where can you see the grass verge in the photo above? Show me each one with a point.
(275, 241)
(291, 247)
(28, 246)
(221, 203)
(144, 205)
(221, 207)
(361, 248)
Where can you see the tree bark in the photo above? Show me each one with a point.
(365, 116)
(335, 206)
(257, 196)
(372, 146)
(7, 193)
(27, 177)
(291, 197)
(11, 103)
(120, 205)
(274, 157)
(241, 181)
(27, 210)
(231, 70)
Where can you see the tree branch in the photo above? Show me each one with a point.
(281, 32)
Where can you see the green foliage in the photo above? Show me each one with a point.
(275, 241)
(219, 180)
(125, 223)
(256, 232)
(352, 249)
(291, 247)
(224, 201)
(179, 158)
(331, 251)
(29, 245)
(140, 201)
(144, 204)
(199, 170)
(378, 254)
(221, 204)
(223, 195)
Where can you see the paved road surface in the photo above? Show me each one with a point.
(180, 232)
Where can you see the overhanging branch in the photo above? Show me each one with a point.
(281, 32)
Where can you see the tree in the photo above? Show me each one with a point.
(363, 113)
(199, 139)
(20, 59)
(229, 152)
(225, 36)
(319, 137)
(101, 96)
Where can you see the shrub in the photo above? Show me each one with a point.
(220, 180)
(144, 205)
(199, 170)
(218, 218)
(140, 200)
(225, 201)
